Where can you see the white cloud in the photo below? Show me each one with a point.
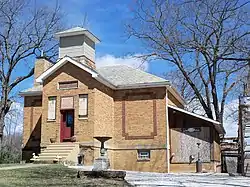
(129, 60)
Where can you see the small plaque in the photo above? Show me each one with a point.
(67, 102)
(192, 130)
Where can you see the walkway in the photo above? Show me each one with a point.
(186, 180)
(180, 179)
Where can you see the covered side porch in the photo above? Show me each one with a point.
(193, 136)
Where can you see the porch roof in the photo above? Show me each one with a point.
(37, 90)
(217, 125)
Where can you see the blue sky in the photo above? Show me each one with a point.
(105, 19)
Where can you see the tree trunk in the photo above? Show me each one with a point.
(2, 116)
(6, 104)
(1, 133)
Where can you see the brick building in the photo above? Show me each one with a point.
(73, 99)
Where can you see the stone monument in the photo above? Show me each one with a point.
(102, 163)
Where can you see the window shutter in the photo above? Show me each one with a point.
(83, 105)
(52, 108)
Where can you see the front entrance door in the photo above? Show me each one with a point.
(67, 125)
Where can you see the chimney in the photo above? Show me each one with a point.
(41, 65)
(78, 43)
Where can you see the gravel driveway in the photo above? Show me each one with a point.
(186, 179)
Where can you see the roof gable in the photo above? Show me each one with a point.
(60, 63)
(115, 77)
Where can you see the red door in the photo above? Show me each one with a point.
(67, 125)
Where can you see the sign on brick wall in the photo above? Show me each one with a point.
(67, 102)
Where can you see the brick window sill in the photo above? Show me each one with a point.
(143, 160)
(51, 120)
(83, 119)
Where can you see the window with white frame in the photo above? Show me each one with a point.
(52, 108)
(83, 106)
(143, 155)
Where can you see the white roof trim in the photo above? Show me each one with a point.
(193, 114)
(59, 64)
(143, 85)
(131, 86)
(216, 123)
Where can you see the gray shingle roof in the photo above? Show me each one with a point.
(121, 75)
(118, 75)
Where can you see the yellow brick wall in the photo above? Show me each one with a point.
(41, 65)
(32, 108)
(105, 112)
(127, 160)
(32, 117)
(83, 128)
(139, 122)
(144, 126)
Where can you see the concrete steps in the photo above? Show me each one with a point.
(55, 151)
(59, 152)
(53, 154)
(51, 158)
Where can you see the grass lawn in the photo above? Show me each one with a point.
(52, 175)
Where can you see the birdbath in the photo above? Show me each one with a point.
(101, 163)
(102, 139)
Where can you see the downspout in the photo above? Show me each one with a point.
(167, 134)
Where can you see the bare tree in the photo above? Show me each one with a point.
(26, 29)
(230, 116)
(12, 142)
(180, 83)
(14, 120)
(206, 40)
